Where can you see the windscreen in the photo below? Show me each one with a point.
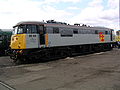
(25, 29)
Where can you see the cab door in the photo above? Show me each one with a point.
(42, 34)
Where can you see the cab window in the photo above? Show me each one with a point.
(31, 29)
(21, 29)
(25, 29)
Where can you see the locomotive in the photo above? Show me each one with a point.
(32, 40)
(5, 37)
(117, 36)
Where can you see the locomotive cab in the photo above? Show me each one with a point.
(26, 36)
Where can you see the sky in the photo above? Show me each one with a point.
(103, 13)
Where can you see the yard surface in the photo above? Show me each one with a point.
(98, 71)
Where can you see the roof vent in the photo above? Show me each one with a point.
(77, 24)
(55, 22)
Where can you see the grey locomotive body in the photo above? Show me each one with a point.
(62, 35)
(36, 40)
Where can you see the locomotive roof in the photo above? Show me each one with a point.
(29, 22)
(77, 27)
(60, 25)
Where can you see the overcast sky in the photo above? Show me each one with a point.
(92, 12)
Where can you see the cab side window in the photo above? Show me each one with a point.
(31, 29)
(41, 29)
